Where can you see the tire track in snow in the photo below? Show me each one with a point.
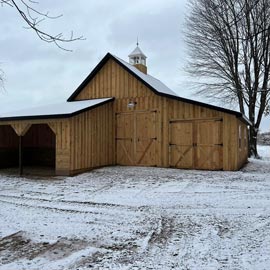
(68, 203)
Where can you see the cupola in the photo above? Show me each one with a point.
(138, 59)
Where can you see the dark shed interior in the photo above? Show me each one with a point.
(39, 144)
(9, 147)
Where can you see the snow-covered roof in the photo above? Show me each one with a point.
(155, 83)
(59, 110)
(137, 51)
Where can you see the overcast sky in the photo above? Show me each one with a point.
(39, 73)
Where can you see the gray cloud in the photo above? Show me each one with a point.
(37, 72)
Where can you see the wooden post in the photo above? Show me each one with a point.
(20, 156)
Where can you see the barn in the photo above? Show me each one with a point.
(120, 115)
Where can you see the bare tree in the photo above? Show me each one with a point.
(229, 46)
(33, 17)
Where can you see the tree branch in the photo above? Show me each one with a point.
(34, 17)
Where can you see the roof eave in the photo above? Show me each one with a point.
(89, 77)
(110, 56)
(137, 54)
(244, 119)
(54, 116)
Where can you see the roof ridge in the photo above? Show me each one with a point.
(146, 77)
(144, 74)
(157, 86)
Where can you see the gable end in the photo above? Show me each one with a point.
(109, 56)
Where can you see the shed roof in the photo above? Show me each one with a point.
(152, 83)
(59, 110)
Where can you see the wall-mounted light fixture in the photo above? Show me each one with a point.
(131, 104)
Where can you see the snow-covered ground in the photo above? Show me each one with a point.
(264, 151)
(138, 218)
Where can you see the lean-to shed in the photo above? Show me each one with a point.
(120, 115)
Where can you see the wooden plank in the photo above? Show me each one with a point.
(196, 144)
(53, 127)
(181, 145)
(209, 145)
(21, 128)
(125, 139)
(196, 119)
(145, 138)
(114, 80)
(136, 138)
(20, 156)
(91, 143)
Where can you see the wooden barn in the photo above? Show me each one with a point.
(120, 115)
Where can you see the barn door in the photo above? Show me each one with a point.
(136, 138)
(181, 145)
(196, 144)
(209, 145)
(125, 138)
(145, 138)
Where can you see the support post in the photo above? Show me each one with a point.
(20, 156)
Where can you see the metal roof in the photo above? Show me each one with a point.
(153, 84)
(60, 110)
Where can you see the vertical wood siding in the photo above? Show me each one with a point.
(242, 144)
(87, 140)
(114, 81)
(63, 138)
(92, 139)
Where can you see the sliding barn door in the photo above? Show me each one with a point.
(145, 139)
(181, 145)
(125, 139)
(196, 144)
(136, 138)
(209, 145)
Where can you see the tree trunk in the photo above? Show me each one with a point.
(253, 142)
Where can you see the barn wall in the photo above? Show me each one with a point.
(114, 81)
(242, 144)
(230, 150)
(62, 132)
(92, 139)
(169, 109)
(180, 110)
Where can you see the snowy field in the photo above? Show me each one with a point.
(138, 218)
